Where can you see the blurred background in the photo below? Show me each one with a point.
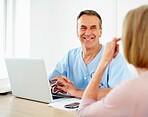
(47, 28)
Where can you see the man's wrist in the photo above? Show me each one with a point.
(77, 93)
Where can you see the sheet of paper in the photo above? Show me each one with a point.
(60, 103)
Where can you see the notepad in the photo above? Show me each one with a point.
(60, 103)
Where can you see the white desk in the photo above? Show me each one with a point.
(11, 106)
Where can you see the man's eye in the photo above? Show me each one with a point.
(93, 28)
(83, 28)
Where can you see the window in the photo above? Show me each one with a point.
(14, 35)
(14, 31)
(3, 71)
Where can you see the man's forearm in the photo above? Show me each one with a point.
(78, 93)
(101, 93)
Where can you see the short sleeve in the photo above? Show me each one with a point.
(60, 68)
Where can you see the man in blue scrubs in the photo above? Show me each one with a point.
(72, 74)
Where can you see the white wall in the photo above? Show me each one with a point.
(53, 26)
(123, 6)
(47, 28)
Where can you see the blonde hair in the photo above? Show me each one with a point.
(135, 36)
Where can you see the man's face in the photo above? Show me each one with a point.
(88, 31)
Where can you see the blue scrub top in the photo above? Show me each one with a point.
(73, 67)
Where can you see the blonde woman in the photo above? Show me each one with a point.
(129, 99)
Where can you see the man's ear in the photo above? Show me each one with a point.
(77, 33)
(100, 32)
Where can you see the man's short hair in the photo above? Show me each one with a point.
(90, 12)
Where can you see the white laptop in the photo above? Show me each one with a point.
(28, 79)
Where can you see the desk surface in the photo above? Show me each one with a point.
(11, 106)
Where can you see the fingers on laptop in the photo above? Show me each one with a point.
(57, 89)
(61, 80)
(59, 84)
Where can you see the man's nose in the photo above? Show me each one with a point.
(88, 32)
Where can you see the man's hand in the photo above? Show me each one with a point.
(71, 90)
(59, 84)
